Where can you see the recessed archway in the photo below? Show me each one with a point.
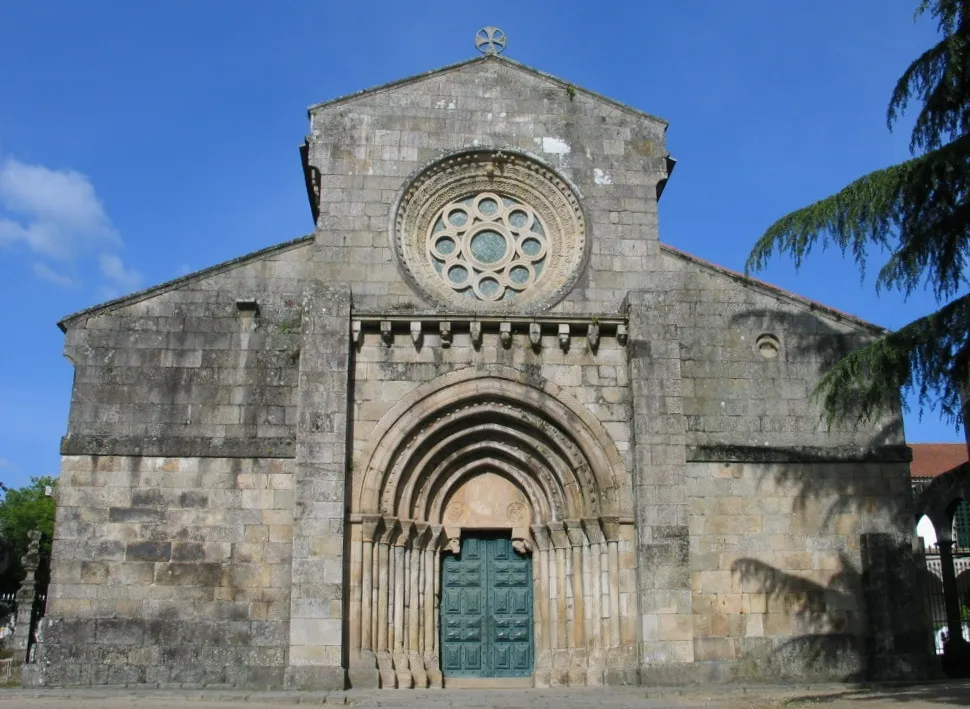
(561, 490)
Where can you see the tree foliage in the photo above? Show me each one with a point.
(22, 511)
(919, 213)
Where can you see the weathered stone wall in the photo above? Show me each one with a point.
(735, 396)
(783, 572)
(170, 570)
(365, 147)
(183, 371)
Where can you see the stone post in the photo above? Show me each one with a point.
(25, 597)
(660, 477)
(316, 652)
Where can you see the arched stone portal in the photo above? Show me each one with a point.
(485, 449)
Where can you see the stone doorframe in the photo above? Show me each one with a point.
(468, 423)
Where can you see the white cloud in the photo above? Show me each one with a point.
(115, 271)
(4, 463)
(56, 213)
(46, 273)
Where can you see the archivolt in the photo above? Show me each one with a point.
(491, 417)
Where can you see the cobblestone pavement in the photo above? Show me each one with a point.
(930, 696)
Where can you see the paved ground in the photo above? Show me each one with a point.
(932, 696)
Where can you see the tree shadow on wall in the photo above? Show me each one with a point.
(859, 626)
(813, 341)
(868, 622)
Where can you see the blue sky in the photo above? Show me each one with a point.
(140, 141)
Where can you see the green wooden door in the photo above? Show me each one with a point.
(486, 610)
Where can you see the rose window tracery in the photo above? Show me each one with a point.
(488, 246)
(489, 231)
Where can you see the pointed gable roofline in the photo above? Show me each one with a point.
(480, 60)
(167, 286)
(778, 293)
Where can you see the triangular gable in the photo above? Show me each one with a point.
(776, 292)
(511, 63)
(167, 286)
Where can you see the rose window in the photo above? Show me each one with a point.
(489, 231)
(488, 246)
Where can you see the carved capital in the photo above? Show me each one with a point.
(574, 530)
(593, 531)
(368, 526)
(404, 535)
(557, 531)
(387, 531)
(541, 534)
(611, 528)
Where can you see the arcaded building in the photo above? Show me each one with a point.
(481, 425)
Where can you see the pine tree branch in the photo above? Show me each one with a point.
(930, 357)
(917, 210)
(862, 213)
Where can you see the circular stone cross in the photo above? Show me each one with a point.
(490, 40)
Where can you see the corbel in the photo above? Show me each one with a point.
(622, 334)
(564, 336)
(535, 334)
(505, 334)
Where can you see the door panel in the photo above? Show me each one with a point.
(486, 610)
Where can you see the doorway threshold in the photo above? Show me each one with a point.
(488, 682)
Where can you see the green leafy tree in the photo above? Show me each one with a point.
(21, 511)
(917, 212)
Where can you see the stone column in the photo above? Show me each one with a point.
(612, 532)
(20, 643)
(577, 654)
(432, 661)
(401, 667)
(597, 658)
(660, 475)
(317, 571)
(385, 664)
(363, 669)
(560, 656)
(545, 631)
(416, 607)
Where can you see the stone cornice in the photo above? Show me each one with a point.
(727, 453)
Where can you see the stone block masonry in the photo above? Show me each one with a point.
(170, 570)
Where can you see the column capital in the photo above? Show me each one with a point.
(542, 537)
(611, 528)
(574, 529)
(558, 533)
(368, 525)
(405, 528)
(388, 530)
(593, 530)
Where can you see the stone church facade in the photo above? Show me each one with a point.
(481, 425)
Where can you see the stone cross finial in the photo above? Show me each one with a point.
(490, 40)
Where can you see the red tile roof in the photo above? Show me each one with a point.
(932, 459)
